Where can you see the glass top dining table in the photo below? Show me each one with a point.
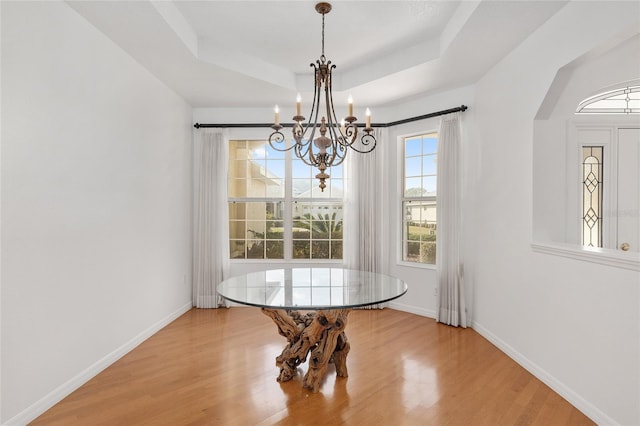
(329, 293)
(316, 288)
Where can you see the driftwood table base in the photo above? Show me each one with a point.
(319, 333)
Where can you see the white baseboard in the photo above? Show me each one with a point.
(412, 309)
(58, 394)
(560, 388)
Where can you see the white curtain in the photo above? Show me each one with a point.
(211, 238)
(451, 308)
(361, 222)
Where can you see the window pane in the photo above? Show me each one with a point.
(237, 188)
(275, 169)
(427, 252)
(592, 196)
(275, 249)
(257, 168)
(258, 150)
(337, 188)
(412, 252)
(413, 166)
(237, 211)
(255, 249)
(321, 225)
(275, 230)
(301, 249)
(336, 249)
(256, 188)
(429, 184)
(429, 164)
(275, 188)
(238, 169)
(237, 230)
(256, 229)
(301, 187)
(273, 153)
(250, 224)
(320, 250)
(413, 146)
(237, 249)
(300, 170)
(430, 144)
(419, 231)
(336, 171)
(413, 187)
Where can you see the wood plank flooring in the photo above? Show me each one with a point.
(216, 367)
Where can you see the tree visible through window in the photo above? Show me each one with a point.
(419, 198)
(276, 211)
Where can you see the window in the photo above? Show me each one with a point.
(622, 100)
(277, 210)
(419, 198)
(592, 196)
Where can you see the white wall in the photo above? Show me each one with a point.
(574, 324)
(96, 189)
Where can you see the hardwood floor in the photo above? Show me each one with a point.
(216, 367)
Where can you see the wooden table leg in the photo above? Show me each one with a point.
(321, 333)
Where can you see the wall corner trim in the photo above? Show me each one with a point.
(412, 309)
(58, 394)
(589, 410)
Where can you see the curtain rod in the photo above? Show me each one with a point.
(393, 123)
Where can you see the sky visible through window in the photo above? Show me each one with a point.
(421, 165)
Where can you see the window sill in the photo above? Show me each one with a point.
(290, 261)
(608, 257)
(416, 265)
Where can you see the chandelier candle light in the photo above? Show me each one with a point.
(335, 137)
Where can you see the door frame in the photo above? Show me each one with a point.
(594, 133)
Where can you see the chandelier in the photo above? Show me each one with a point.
(330, 147)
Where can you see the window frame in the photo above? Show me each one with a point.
(288, 201)
(400, 236)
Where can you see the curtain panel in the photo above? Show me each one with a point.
(211, 232)
(451, 308)
(362, 221)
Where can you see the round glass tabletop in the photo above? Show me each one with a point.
(311, 288)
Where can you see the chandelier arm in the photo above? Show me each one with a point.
(315, 111)
(315, 99)
(302, 149)
(347, 137)
(368, 141)
(302, 155)
(340, 157)
(333, 121)
(276, 138)
(340, 137)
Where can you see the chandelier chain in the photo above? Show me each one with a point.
(323, 35)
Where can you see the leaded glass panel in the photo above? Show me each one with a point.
(592, 174)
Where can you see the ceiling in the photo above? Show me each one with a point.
(254, 54)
